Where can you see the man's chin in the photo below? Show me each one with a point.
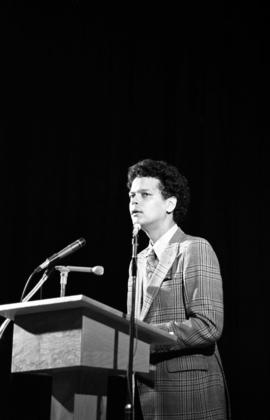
(137, 219)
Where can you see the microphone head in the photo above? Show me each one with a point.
(81, 242)
(136, 228)
(98, 270)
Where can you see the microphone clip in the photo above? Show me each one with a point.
(63, 280)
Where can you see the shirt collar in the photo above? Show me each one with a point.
(160, 245)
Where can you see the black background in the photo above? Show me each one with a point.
(85, 93)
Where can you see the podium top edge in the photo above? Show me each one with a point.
(67, 302)
(148, 331)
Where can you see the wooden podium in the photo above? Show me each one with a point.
(79, 342)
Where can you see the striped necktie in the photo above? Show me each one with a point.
(151, 263)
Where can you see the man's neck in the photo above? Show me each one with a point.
(155, 233)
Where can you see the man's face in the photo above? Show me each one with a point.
(147, 205)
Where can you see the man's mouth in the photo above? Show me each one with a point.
(135, 212)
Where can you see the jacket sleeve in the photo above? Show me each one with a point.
(202, 295)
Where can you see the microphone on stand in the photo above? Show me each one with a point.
(61, 254)
(98, 269)
(136, 229)
(64, 271)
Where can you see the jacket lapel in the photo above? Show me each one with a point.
(167, 258)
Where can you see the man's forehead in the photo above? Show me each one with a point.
(145, 183)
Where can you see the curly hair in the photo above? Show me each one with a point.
(172, 183)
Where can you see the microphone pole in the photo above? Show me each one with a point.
(45, 276)
(129, 408)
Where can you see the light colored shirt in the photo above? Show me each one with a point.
(161, 244)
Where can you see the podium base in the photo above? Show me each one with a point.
(79, 396)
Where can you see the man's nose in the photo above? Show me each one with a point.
(134, 199)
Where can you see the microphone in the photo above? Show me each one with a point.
(136, 229)
(61, 254)
(98, 269)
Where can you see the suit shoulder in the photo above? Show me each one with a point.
(196, 248)
(191, 242)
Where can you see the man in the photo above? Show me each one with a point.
(179, 291)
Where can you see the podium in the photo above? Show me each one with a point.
(79, 342)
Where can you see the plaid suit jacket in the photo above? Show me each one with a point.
(185, 298)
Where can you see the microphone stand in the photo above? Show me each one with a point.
(129, 408)
(26, 298)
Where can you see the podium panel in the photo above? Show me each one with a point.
(70, 338)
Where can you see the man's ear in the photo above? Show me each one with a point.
(171, 203)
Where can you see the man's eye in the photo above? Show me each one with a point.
(145, 194)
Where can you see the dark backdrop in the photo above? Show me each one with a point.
(84, 94)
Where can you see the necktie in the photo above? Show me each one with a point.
(151, 263)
